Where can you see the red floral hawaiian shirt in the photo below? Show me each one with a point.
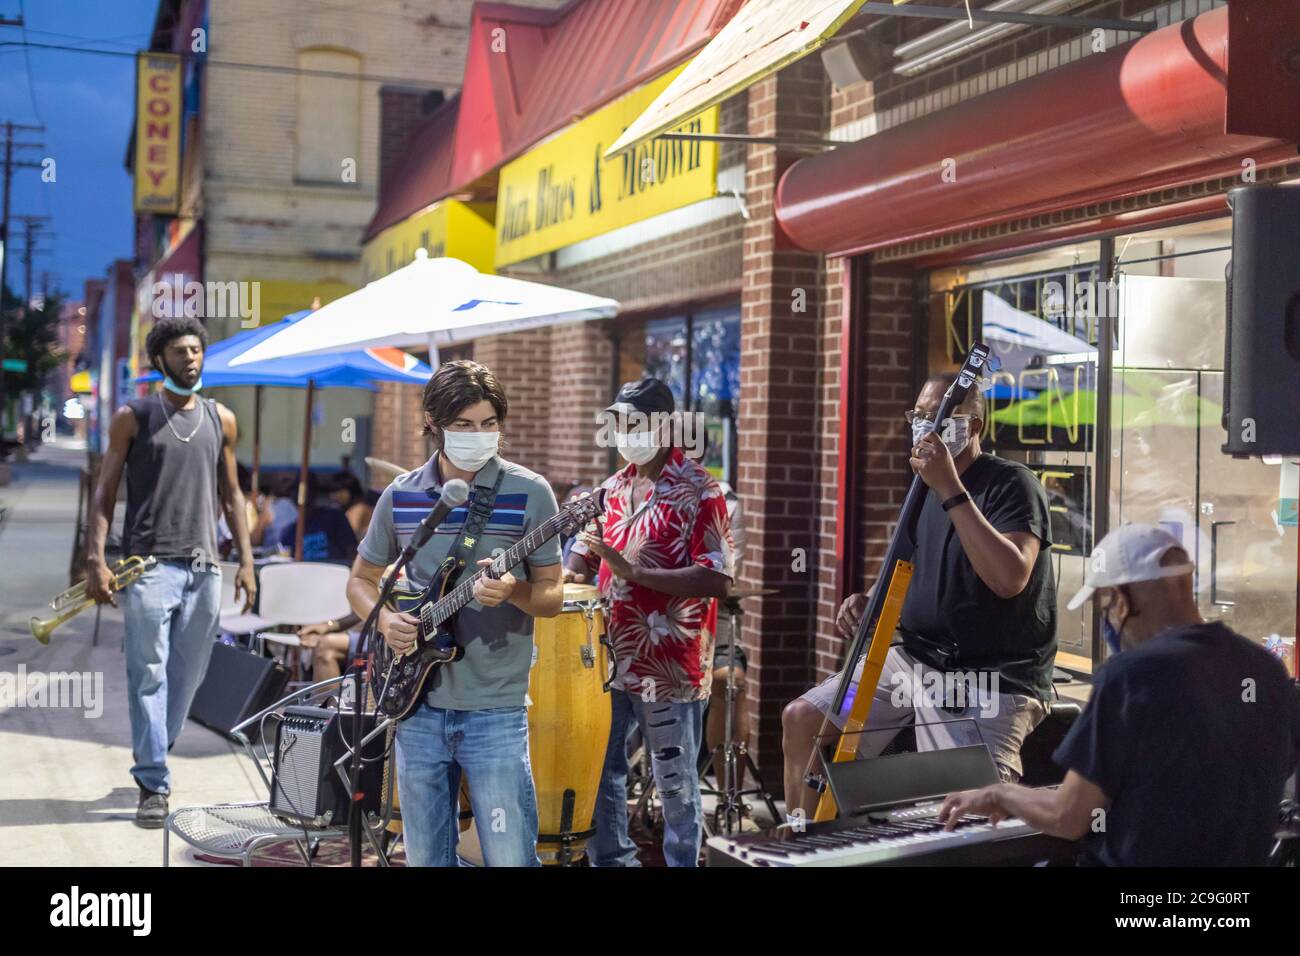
(662, 643)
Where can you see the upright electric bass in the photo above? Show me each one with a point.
(398, 680)
(878, 624)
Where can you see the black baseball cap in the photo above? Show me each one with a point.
(646, 396)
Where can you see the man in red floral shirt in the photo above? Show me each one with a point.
(665, 554)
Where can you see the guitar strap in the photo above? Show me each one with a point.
(476, 519)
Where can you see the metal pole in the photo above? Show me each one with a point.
(257, 441)
(4, 266)
(304, 472)
(1101, 433)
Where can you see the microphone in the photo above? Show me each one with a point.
(454, 494)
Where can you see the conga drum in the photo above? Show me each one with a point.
(568, 728)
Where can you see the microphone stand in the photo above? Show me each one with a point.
(360, 690)
(361, 672)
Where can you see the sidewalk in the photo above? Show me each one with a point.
(66, 793)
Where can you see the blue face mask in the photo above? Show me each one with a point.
(183, 392)
(1110, 634)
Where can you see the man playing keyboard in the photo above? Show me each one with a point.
(1189, 736)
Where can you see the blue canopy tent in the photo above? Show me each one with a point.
(361, 368)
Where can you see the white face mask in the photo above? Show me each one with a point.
(637, 447)
(956, 436)
(470, 451)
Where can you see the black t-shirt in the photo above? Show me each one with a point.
(1192, 736)
(952, 620)
(326, 536)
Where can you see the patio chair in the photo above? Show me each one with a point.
(297, 593)
(237, 831)
(232, 618)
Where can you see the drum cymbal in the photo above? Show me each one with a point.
(739, 594)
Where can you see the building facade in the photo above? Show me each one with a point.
(281, 170)
(1040, 188)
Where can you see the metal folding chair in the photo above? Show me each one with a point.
(237, 831)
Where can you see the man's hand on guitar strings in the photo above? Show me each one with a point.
(400, 631)
(490, 591)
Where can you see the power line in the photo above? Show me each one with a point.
(233, 64)
(27, 61)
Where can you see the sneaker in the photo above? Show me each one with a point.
(152, 812)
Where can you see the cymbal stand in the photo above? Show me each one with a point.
(731, 806)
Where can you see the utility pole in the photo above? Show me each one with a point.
(10, 164)
(31, 225)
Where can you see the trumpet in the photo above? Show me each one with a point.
(68, 604)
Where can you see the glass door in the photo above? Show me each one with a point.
(1233, 516)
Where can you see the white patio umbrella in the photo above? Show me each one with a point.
(430, 302)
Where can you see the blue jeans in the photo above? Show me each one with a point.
(491, 746)
(672, 735)
(171, 620)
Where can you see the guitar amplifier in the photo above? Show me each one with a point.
(305, 787)
(237, 685)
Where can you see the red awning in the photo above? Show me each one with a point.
(1143, 116)
(531, 72)
(424, 173)
(561, 65)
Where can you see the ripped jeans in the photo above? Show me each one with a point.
(672, 734)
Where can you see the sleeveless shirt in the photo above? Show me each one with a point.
(171, 485)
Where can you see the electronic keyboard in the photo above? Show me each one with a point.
(904, 836)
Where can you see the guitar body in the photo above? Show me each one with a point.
(401, 681)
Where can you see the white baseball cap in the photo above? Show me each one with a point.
(1128, 555)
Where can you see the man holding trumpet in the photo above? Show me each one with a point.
(178, 451)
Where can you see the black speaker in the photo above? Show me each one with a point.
(238, 684)
(305, 787)
(1261, 360)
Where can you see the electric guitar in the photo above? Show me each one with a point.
(398, 680)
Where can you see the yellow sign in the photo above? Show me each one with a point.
(447, 228)
(158, 133)
(565, 191)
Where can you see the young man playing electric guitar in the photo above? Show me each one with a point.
(473, 717)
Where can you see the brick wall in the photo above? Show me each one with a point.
(520, 361)
(698, 264)
(888, 381)
(396, 425)
(579, 365)
(782, 308)
(402, 111)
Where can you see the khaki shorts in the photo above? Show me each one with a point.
(952, 714)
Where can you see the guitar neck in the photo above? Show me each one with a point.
(455, 599)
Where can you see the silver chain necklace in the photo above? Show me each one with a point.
(184, 438)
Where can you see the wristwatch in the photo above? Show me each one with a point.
(955, 500)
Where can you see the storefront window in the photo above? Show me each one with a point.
(1042, 317)
(1234, 516)
(1037, 316)
(698, 355)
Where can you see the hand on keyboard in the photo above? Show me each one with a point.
(983, 802)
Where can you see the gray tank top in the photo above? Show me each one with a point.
(171, 485)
